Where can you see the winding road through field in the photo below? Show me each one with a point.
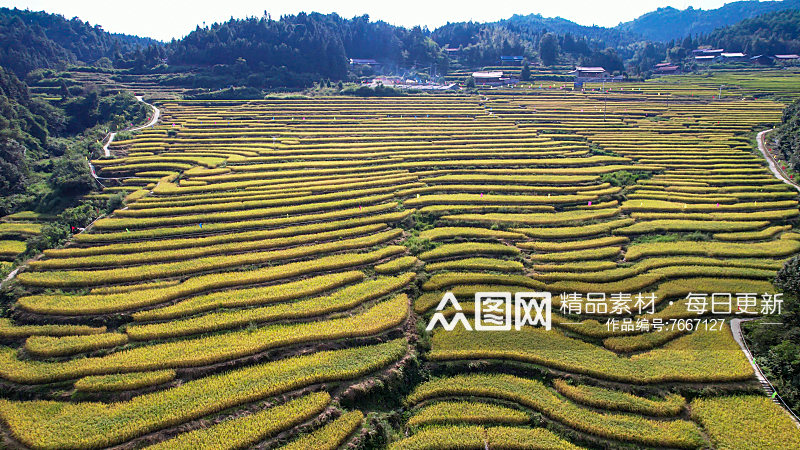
(773, 165)
(153, 120)
(112, 135)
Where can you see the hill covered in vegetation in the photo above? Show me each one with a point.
(668, 23)
(298, 49)
(484, 43)
(35, 40)
(44, 145)
(773, 33)
(788, 135)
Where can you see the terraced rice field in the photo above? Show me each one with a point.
(270, 278)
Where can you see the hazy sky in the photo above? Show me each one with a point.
(167, 19)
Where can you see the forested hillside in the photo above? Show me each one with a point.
(43, 146)
(34, 40)
(778, 346)
(669, 23)
(788, 135)
(773, 33)
(25, 125)
(296, 50)
(484, 43)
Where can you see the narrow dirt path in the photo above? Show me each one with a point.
(773, 166)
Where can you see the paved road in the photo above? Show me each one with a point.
(111, 136)
(153, 120)
(773, 166)
(736, 329)
(9, 277)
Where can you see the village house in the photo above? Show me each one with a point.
(732, 56)
(493, 78)
(764, 60)
(666, 69)
(713, 52)
(511, 60)
(788, 59)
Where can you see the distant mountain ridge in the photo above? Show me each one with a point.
(668, 23)
(297, 51)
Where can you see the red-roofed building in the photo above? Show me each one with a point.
(666, 69)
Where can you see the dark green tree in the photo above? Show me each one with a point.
(788, 135)
(548, 49)
(13, 166)
(64, 90)
(525, 75)
(71, 175)
(607, 59)
(53, 235)
(788, 277)
(776, 347)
